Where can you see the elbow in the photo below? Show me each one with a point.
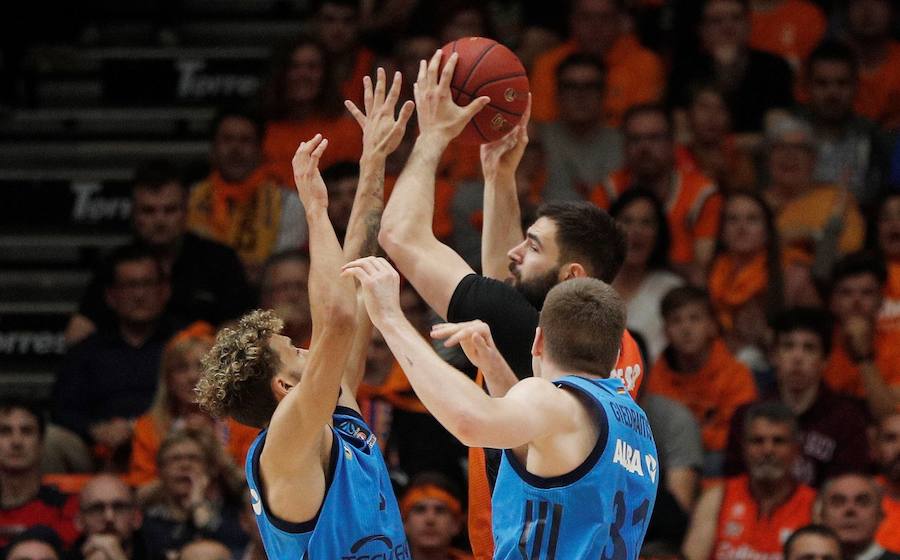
(390, 236)
(341, 314)
(468, 428)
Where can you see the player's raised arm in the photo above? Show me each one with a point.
(532, 409)
(406, 227)
(502, 227)
(382, 133)
(296, 429)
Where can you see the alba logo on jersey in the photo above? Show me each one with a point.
(377, 547)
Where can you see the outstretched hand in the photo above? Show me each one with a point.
(438, 115)
(500, 159)
(380, 285)
(381, 132)
(307, 178)
(476, 341)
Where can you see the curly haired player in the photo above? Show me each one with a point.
(318, 483)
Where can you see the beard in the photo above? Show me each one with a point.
(535, 290)
(891, 470)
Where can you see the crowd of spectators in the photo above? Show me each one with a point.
(748, 149)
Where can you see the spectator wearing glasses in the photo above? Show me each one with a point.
(109, 521)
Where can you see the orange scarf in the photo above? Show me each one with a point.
(731, 287)
(245, 216)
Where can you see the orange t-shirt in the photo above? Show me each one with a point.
(284, 137)
(235, 437)
(712, 393)
(888, 535)
(843, 376)
(878, 97)
(791, 30)
(693, 208)
(809, 213)
(889, 316)
(442, 223)
(743, 533)
(634, 75)
(629, 368)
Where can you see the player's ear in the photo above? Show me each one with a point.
(280, 386)
(537, 347)
(572, 270)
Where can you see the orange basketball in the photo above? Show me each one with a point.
(487, 68)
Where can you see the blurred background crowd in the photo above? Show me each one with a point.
(747, 147)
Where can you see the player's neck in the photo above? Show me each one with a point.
(17, 488)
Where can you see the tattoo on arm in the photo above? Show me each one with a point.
(373, 226)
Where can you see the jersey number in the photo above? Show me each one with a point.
(535, 526)
(638, 517)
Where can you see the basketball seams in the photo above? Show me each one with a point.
(500, 79)
(475, 64)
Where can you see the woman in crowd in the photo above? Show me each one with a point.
(645, 276)
(887, 239)
(752, 277)
(174, 407)
(198, 495)
(302, 100)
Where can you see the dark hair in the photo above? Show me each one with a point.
(340, 171)
(832, 51)
(874, 218)
(327, 103)
(242, 113)
(8, 404)
(583, 320)
(745, 4)
(772, 411)
(814, 529)
(581, 59)
(154, 174)
(775, 288)
(649, 108)
(676, 298)
(36, 533)
(128, 253)
(659, 255)
(587, 235)
(858, 263)
(809, 319)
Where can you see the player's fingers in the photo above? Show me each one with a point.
(472, 108)
(367, 94)
(380, 86)
(394, 93)
(355, 112)
(405, 113)
(423, 67)
(447, 72)
(311, 144)
(320, 149)
(526, 116)
(433, 64)
(443, 330)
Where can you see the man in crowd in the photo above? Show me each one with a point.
(850, 505)
(830, 424)
(240, 203)
(813, 541)
(284, 287)
(887, 453)
(869, 32)
(208, 282)
(109, 521)
(691, 199)
(109, 379)
(24, 501)
(751, 515)
(433, 517)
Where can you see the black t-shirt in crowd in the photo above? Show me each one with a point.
(208, 284)
(767, 84)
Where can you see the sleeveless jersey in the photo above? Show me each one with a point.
(359, 517)
(483, 469)
(599, 510)
(743, 534)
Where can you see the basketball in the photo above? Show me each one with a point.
(487, 68)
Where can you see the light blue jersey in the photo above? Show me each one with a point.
(359, 518)
(599, 510)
